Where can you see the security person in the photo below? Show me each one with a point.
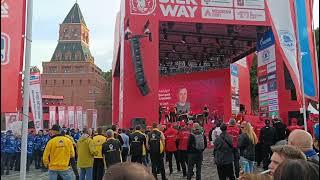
(137, 143)
(155, 144)
(111, 149)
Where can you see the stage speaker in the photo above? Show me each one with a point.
(138, 66)
(138, 121)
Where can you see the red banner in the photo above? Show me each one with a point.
(12, 48)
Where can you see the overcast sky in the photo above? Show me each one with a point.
(100, 18)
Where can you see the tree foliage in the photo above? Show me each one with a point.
(254, 85)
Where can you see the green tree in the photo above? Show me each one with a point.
(254, 85)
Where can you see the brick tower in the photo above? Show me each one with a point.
(71, 71)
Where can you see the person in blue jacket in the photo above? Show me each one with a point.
(10, 150)
(46, 138)
(18, 153)
(38, 141)
(77, 135)
(3, 141)
(30, 145)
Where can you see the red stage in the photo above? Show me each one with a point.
(191, 44)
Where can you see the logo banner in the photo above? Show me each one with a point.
(79, 117)
(36, 100)
(13, 123)
(84, 119)
(283, 28)
(12, 48)
(52, 116)
(71, 117)
(94, 119)
(306, 45)
(61, 113)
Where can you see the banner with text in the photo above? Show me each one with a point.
(79, 117)
(52, 116)
(61, 113)
(12, 51)
(267, 77)
(84, 119)
(94, 119)
(235, 101)
(36, 100)
(71, 117)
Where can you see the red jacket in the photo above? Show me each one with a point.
(183, 137)
(171, 139)
(234, 132)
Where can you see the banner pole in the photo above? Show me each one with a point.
(299, 57)
(26, 89)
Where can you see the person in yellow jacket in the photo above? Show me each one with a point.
(86, 151)
(57, 154)
(98, 164)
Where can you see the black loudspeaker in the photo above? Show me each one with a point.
(138, 66)
(138, 121)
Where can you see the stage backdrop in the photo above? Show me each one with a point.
(204, 88)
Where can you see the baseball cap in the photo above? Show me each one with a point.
(55, 127)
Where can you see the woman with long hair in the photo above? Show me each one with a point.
(246, 143)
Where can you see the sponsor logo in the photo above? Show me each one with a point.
(265, 55)
(263, 88)
(265, 42)
(273, 114)
(224, 3)
(5, 48)
(272, 76)
(263, 97)
(263, 114)
(217, 13)
(274, 108)
(273, 102)
(287, 40)
(262, 71)
(234, 69)
(142, 7)
(263, 103)
(272, 85)
(264, 109)
(271, 67)
(250, 15)
(273, 95)
(262, 79)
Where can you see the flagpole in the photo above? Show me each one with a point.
(26, 89)
(301, 73)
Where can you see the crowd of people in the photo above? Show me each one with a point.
(100, 153)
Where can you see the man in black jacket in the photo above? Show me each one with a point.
(267, 139)
(223, 154)
(137, 143)
(196, 145)
(281, 130)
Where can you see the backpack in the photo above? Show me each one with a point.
(199, 141)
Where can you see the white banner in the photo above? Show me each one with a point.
(79, 117)
(61, 115)
(36, 101)
(282, 25)
(13, 123)
(94, 119)
(84, 119)
(266, 56)
(52, 116)
(71, 117)
(66, 117)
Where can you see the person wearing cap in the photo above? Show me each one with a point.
(98, 169)
(57, 154)
(137, 144)
(183, 138)
(234, 131)
(171, 136)
(155, 143)
(86, 151)
(196, 145)
(111, 149)
(267, 139)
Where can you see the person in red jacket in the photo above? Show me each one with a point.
(171, 136)
(234, 131)
(294, 125)
(183, 139)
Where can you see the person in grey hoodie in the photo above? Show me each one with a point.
(223, 154)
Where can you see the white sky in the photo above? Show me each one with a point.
(100, 18)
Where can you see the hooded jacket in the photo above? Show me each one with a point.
(86, 151)
(171, 136)
(223, 153)
(183, 139)
(30, 144)
(38, 141)
(10, 144)
(57, 153)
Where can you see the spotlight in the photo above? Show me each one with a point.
(147, 30)
(183, 39)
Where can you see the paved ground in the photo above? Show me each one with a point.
(209, 171)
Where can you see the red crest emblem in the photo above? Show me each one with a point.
(142, 7)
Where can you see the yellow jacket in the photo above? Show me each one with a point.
(86, 151)
(98, 141)
(57, 153)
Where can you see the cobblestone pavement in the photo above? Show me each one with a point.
(209, 171)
